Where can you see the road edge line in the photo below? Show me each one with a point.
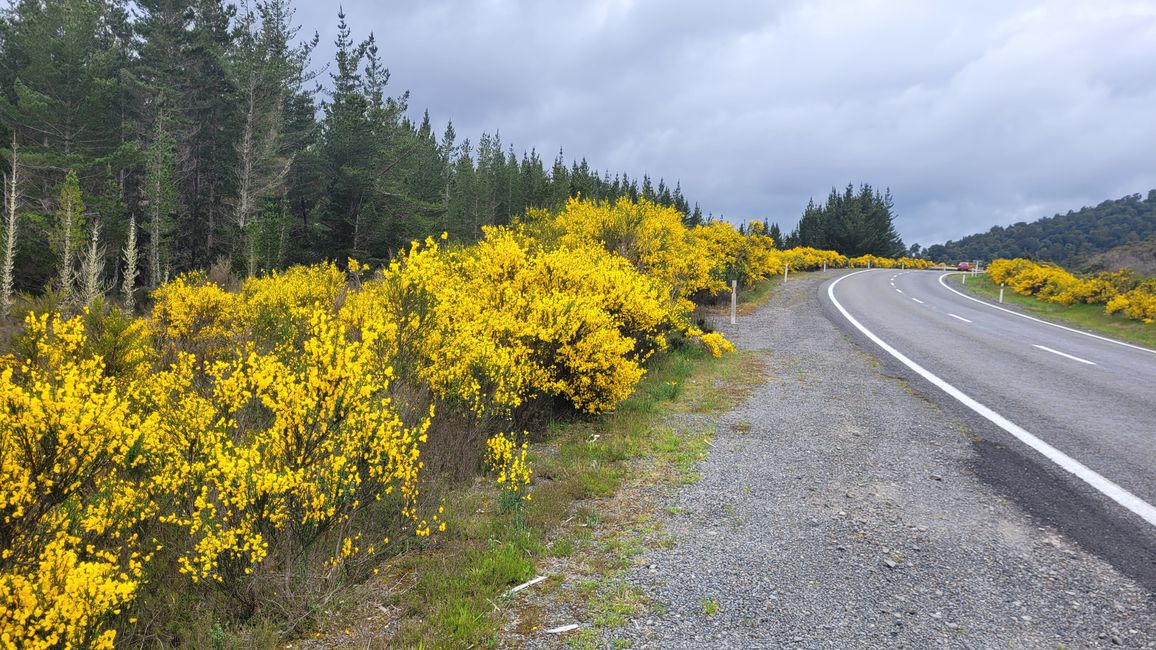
(1063, 354)
(1135, 504)
(942, 276)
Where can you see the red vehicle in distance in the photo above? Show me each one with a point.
(964, 266)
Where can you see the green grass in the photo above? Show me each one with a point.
(754, 297)
(749, 299)
(449, 592)
(1090, 318)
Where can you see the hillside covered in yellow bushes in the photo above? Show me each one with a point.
(1119, 291)
(265, 439)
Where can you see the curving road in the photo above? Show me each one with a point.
(1064, 422)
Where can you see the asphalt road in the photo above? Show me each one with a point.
(1065, 423)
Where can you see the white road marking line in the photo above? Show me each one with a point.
(1016, 313)
(899, 290)
(959, 317)
(918, 300)
(1063, 354)
(1143, 509)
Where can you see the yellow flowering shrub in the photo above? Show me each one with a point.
(69, 507)
(873, 261)
(192, 314)
(1102, 287)
(713, 342)
(1047, 282)
(648, 235)
(506, 458)
(1138, 304)
(730, 251)
(280, 450)
(1003, 270)
(1118, 291)
(516, 321)
(276, 308)
(399, 305)
(805, 258)
(914, 263)
(244, 428)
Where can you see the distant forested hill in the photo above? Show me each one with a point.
(1066, 239)
(1138, 256)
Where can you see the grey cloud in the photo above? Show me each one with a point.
(974, 114)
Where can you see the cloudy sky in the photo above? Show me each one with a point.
(974, 113)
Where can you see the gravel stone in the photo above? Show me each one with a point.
(817, 526)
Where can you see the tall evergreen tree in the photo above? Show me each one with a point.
(851, 222)
(68, 231)
(348, 153)
(267, 71)
(464, 195)
(776, 234)
(181, 71)
(560, 181)
(131, 267)
(91, 277)
(163, 196)
(65, 58)
(11, 230)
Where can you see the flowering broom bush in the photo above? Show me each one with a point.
(1119, 291)
(71, 554)
(238, 435)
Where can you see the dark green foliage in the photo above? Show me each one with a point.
(853, 223)
(776, 234)
(1066, 239)
(199, 119)
(62, 63)
(1139, 256)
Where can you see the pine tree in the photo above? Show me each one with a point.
(162, 198)
(92, 269)
(854, 222)
(427, 185)
(306, 181)
(776, 234)
(399, 214)
(180, 71)
(68, 230)
(535, 182)
(348, 154)
(267, 71)
(559, 181)
(131, 267)
(464, 198)
(11, 225)
(66, 57)
(695, 217)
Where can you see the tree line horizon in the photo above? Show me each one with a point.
(187, 134)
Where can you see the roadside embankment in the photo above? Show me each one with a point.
(839, 508)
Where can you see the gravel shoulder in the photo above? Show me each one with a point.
(840, 509)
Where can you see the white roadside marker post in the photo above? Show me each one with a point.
(1001, 293)
(824, 267)
(734, 300)
(786, 268)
